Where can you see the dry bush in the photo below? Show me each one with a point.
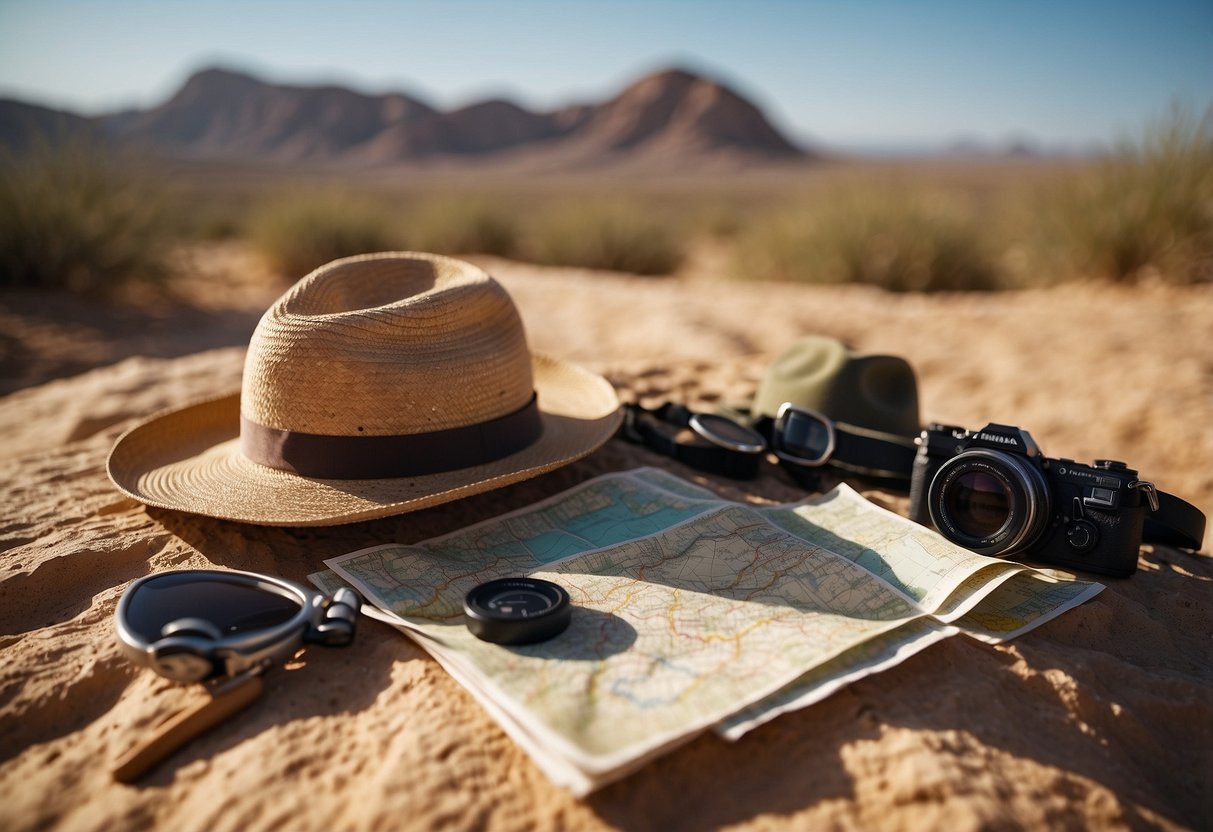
(463, 224)
(1146, 208)
(78, 216)
(613, 234)
(297, 232)
(899, 238)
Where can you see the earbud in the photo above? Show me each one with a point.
(340, 616)
(183, 654)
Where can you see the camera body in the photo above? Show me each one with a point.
(994, 492)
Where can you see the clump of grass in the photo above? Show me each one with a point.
(1144, 209)
(463, 225)
(214, 216)
(719, 218)
(296, 232)
(897, 238)
(77, 216)
(614, 235)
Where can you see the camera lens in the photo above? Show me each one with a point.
(979, 503)
(991, 502)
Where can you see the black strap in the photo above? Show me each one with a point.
(1176, 523)
(662, 429)
(872, 453)
(886, 458)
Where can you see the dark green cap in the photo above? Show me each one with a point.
(878, 392)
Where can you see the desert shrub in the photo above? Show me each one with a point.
(214, 216)
(716, 218)
(463, 225)
(897, 238)
(1144, 208)
(619, 235)
(296, 232)
(78, 216)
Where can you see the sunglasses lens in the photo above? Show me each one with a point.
(804, 436)
(722, 431)
(232, 607)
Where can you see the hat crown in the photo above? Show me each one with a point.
(878, 392)
(387, 344)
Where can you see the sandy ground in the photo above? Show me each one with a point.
(1101, 718)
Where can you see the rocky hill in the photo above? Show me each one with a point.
(673, 117)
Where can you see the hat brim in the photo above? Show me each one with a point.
(188, 459)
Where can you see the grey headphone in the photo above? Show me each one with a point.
(204, 645)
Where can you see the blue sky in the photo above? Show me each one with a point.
(860, 74)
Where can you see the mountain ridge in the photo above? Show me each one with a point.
(673, 117)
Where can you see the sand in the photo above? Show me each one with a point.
(1101, 718)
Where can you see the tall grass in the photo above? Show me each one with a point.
(463, 224)
(77, 216)
(296, 232)
(1146, 208)
(613, 234)
(899, 238)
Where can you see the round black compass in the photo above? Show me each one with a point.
(517, 610)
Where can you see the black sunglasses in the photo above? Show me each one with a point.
(803, 436)
(808, 439)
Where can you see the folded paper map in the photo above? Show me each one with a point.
(690, 612)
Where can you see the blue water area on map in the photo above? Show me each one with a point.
(554, 545)
(605, 527)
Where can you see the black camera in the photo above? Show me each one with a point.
(994, 492)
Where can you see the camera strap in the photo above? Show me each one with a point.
(1174, 522)
(864, 451)
(885, 459)
(679, 432)
(697, 440)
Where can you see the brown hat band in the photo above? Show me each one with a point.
(381, 457)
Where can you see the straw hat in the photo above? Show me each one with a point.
(376, 385)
